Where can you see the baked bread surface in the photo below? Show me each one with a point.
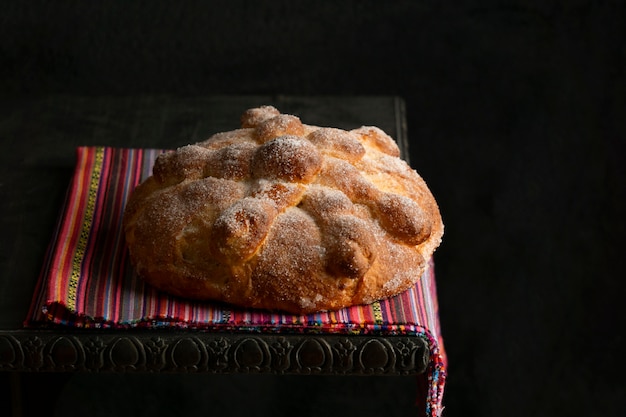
(286, 216)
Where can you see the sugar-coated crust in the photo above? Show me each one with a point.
(281, 215)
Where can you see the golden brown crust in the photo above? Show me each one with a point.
(283, 216)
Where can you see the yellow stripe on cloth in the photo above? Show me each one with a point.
(81, 246)
(378, 313)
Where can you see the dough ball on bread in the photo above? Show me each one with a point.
(281, 215)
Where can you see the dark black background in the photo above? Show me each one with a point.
(516, 119)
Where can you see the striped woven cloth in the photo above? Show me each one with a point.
(88, 282)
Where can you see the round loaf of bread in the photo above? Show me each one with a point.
(285, 216)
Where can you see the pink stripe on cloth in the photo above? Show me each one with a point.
(87, 280)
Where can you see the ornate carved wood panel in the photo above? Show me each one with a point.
(104, 351)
